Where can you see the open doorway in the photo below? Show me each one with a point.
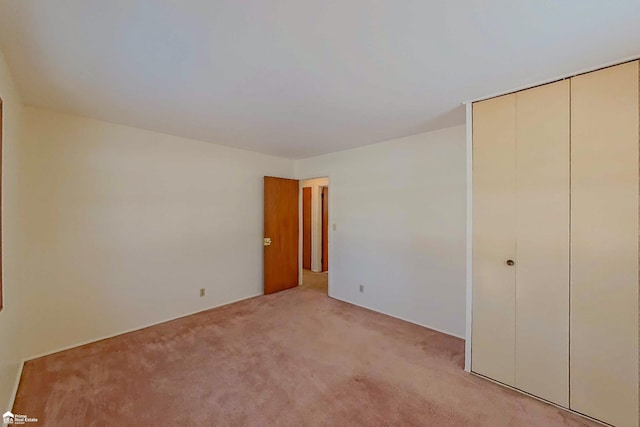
(315, 234)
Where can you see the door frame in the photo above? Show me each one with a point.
(307, 227)
(469, 223)
(324, 227)
(330, 231)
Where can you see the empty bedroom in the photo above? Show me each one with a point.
(308, 213)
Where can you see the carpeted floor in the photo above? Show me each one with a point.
(295, 358)
(316, 281)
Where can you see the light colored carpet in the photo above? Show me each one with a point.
(316, 281)
(295, 358)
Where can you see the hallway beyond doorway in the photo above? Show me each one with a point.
(316, 281)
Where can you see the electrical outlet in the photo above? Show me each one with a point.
(202, 292)
(361, 289)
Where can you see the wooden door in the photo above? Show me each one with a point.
(494, 231)
(281, 234)
(604, 244)
(306, 228)
(325, 228)
(542, 236)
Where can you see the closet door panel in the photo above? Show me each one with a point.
(604, 244)
(542, 236)
(493, 319)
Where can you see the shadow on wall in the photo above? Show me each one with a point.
(453, 117)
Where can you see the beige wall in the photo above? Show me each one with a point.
(316, 220)
(126, 225)
(15, 307)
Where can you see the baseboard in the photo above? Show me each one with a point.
(400, 318)
(106, 337)
(580, 414)
(14, 392)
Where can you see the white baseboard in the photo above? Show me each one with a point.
(69, 347)
(400, 318)
(12, 397)
(91, 341)
(14, 392)
(580, 414)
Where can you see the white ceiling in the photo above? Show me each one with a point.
(298, 78)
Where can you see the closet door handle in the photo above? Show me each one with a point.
(510, 262)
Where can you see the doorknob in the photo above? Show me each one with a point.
(510, 262)
(266, 241)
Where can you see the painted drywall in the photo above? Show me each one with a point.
(316, 220)
(399, 212)
(126, 225)
(11, 316)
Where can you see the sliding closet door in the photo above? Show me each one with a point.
(493, 322)
(604, 245)
(542, 236)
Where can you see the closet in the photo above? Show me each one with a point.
(555, 242)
